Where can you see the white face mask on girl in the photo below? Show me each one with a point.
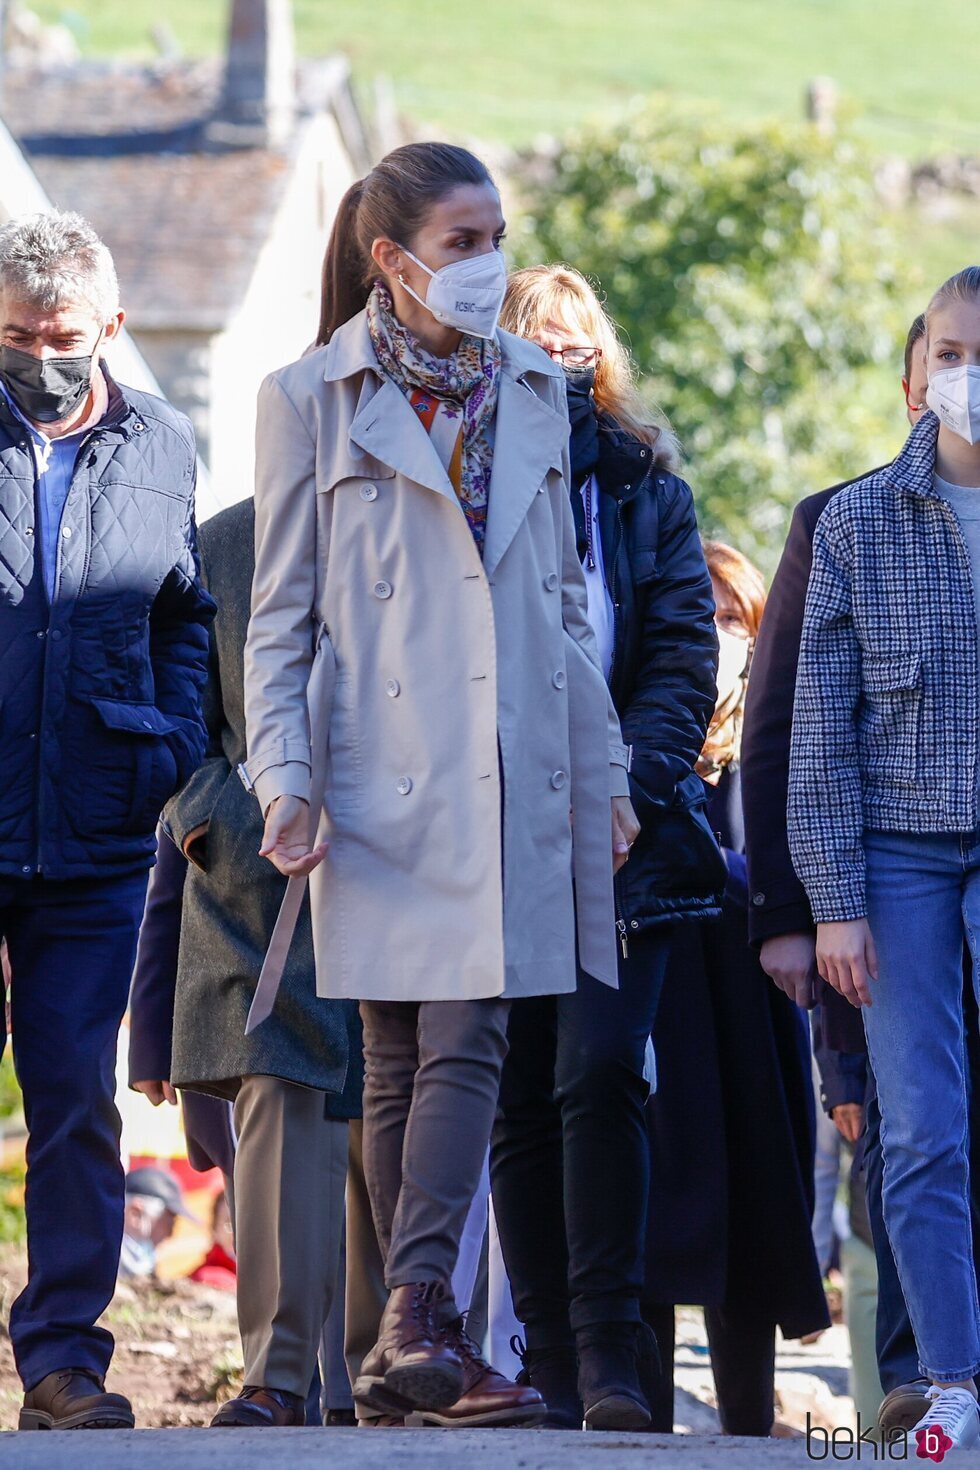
(466, 294)
(954, 396)
(733, 658)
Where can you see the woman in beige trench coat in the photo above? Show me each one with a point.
(429, 730)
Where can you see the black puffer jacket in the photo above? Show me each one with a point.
(100, 692)
(662, 678)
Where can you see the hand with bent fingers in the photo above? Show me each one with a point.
(790, 961)
(157, 1092)
(847, 959)
(848, 1119)
(625, 830)
(286, 840)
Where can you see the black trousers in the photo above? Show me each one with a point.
(743, 1364)
(569, 1158)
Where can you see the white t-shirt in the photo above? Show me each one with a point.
(601, 611)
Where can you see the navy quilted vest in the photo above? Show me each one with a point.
(23, 644)
(100, 708)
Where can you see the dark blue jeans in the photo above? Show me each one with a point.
(569, 1159)
(71, 946)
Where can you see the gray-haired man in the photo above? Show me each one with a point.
(103, 652)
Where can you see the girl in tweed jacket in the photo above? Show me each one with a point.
(884, 823)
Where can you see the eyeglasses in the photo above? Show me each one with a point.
(575, 357)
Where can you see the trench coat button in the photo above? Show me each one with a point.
(551, 582)
(382, 590)
(56, 635)
(393, 689)
(558, 679)
(758, 899)
(369, 492)
(66, 532)
(404, 785)
(558, 780)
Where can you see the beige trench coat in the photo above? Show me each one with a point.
(364, 559)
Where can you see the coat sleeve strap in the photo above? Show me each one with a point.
(320, 694)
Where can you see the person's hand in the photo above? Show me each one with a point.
(790, 961)
(847, 959)
(625, 830)
(848, 1119)
(157, 1092)
(286, 840)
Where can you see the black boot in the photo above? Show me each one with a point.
(554, 1373)
(609, 1374)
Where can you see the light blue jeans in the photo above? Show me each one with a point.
(923, 898)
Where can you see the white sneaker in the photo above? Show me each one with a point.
(952, 1422)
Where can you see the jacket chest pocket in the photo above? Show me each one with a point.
(890, 717)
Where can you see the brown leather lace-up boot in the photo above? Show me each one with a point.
(75, 1398)
(412, 1365)
(488, 1398)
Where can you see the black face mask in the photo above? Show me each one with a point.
(46, 390)
(579, 383)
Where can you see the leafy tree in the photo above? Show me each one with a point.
(758, 286)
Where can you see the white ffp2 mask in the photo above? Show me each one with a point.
(954, 396)
(466, 294)
(733, 659)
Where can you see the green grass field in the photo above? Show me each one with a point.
(511, 69)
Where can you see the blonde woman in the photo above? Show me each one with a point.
(569, 1159)
(884, 828)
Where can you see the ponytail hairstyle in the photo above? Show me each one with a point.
(964, 286)
(392, 201)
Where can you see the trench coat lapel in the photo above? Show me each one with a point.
(529, 439)
(387, 427)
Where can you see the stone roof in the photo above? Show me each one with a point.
(182, 202)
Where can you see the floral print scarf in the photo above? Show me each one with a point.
(465, 385)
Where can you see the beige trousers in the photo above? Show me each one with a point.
(290, 1175)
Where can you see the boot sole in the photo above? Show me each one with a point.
(410, 1387)
(217, 1423)
(903, 1413)
(616, 1411)
(38, 1419)
(515, 1418)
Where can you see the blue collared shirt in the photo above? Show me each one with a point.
(55, 462)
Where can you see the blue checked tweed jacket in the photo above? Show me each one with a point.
(886, 724)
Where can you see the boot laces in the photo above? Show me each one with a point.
(467, 1348)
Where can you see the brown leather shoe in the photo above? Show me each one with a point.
(261, 1408)
(75, 1398)
(411, 1366)
(488, 1398)
(904, 1406)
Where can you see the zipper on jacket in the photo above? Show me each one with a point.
(624, 943)
(617, 609)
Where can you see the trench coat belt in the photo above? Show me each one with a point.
(320, 699)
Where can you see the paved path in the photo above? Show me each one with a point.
(353, 1449)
